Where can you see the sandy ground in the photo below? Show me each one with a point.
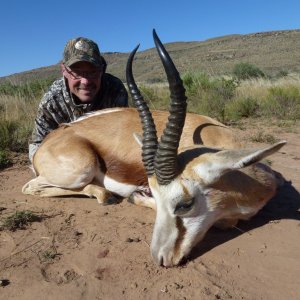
(81, 250)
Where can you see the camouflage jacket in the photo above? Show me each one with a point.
(58, 106)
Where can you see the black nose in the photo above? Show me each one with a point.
(161, 261)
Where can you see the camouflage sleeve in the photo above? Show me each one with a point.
(43, 124)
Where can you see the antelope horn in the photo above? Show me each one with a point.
(165, 163)
(149, 131)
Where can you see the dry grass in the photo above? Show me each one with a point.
(16, 108)
(16, 123)
(216, 97)
(258, 87)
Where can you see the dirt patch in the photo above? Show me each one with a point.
(81, 250)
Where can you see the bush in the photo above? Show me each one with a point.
(19, 220)
(147, 92)
(224, 88)
(208, 95)
(193, 82)
(4, 159)
(282, 73)
(156, 96)
(241, 108)
(282, 102)
(244, 70)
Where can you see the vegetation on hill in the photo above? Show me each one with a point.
(31, 89)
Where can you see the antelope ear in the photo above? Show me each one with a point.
(214, 165)
(138, 138)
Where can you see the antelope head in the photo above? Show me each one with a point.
(200, 186)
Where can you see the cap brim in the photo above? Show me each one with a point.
(77, 59)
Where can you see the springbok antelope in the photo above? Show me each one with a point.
(192, 187)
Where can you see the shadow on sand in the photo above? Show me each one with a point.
(285, 205)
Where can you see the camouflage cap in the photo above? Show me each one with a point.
(82, 49)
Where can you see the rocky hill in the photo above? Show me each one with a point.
(272, 52)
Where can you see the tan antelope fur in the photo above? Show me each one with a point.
(195, 176)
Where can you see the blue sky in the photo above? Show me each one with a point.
(33, 33)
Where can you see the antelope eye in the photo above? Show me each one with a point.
(184, 206)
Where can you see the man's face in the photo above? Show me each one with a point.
(84, 80)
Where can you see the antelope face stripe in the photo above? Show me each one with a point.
(183, 217)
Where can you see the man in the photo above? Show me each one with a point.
(84, 87)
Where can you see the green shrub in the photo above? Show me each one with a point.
(147, 92)
(208, 95)
(224, 88)
(282, 102)
(241, 108)
(196, 82)
(155, 96)
(244, 70)
(282, 73)
(4, 159)
(19, 220)
(48, 255)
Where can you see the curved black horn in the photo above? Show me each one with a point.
(166, 156)
(149, 131)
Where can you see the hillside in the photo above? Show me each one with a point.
(270, 51)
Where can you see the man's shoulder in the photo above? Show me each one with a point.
(55, 91)
(112, 93)
(112, 80)
(57, 85)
